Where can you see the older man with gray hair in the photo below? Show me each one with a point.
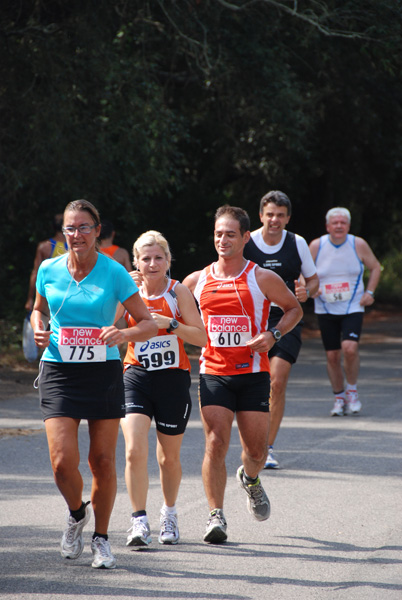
(340, 259)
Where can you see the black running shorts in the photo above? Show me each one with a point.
(337, 328)
(90, 391)
(289, 345)
(247, 391)
(163, 395)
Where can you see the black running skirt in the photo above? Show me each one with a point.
(93, 391)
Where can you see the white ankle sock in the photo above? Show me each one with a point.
(170, 510)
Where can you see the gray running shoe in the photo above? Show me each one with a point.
(169, 533)
(139, 534)
(257, 501)
(72, 543)
(103, 557)
(216, 527)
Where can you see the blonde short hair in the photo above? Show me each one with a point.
(150, 238)
(338, 210)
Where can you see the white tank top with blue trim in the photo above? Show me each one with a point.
(340, 272)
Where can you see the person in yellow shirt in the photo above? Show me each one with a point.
(54, 246)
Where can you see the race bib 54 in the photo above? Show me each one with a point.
(337, 292)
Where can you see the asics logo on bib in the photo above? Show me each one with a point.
(155, 345)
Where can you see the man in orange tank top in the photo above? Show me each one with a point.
(110, 249)
(234, 296)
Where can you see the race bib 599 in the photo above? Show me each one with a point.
(160, 352)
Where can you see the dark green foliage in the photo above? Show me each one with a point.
(160, 111)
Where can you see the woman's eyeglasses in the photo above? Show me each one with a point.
(70, 230)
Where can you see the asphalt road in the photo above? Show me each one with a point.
(336, 524)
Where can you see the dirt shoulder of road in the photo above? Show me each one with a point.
(17, 380)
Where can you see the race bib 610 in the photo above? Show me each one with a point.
(229, 330)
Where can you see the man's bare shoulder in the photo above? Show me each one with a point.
(44, 249)
(361, 243)
(267, 275)
(268, 281)
(365, 253)
(122, 256)
(191, 280)
(314, 246)
(122, 252)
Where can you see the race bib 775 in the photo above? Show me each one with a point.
(81, 345)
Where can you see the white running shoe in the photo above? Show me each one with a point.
(339, 404)
(72, 542)
(353, 404)
(169, 533)
(215, 532)
(103, 557)
(257, 500)
(271, 462)
(139, 534)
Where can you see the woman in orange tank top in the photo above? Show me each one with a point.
(157, 383)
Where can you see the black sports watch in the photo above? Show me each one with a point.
(276, 333)
(173, 325)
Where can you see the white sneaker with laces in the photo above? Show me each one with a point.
(169, 533)
(103, 557)
(72, 542)
(353, 404)
(271, 462)
(139, 534)
(339, 404)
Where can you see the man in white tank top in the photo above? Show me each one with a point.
(287, 254)
(339, 303)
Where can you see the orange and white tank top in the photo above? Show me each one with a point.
(234, 311)
(166, 350)
(110, 250)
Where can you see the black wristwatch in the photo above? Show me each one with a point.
(173, 325)
(276, 333)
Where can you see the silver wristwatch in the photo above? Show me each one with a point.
(276, 333)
